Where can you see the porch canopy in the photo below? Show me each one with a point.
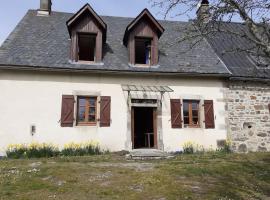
(161, 89)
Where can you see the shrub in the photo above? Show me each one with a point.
(89, 148)
(191, 147)
(188, 148)
(36, 150)
(33, 150)
(226, 147)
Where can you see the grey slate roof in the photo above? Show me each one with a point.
(240, 63)
(43, 42)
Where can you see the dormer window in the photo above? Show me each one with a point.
(141, 38)
(88, 36)
(87, 47)
(143, 51)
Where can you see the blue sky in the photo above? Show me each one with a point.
(12, 11)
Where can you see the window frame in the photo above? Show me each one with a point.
(91, 34)
(190, 114)
(87, 109)
(146, 39)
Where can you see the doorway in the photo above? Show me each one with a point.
(144, 128)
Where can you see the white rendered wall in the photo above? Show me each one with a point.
(32, 98)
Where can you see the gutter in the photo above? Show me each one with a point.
(48, 69)
(249, 79)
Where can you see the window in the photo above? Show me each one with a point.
(87, 111)
(191, 113)
(86, 47)
(143, 51)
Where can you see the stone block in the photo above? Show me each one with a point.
(262, 149)
(253, 97)
(241, 107)
(259, 107)
(242, 148)
(262, 134)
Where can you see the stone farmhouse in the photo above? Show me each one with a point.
(68, 77)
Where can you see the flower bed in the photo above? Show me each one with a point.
(44, 150)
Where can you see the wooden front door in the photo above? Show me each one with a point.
(144, 127)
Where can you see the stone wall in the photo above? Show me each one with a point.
(248, 116)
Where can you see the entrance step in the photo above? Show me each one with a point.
(145, 154)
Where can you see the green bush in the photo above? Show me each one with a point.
(90, 148)
(226, 147)
(188, 148)
(191, 147)
(36, 150)
(33, 150)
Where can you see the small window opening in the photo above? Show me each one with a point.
(248, 125)
(87, 47)
(191, 113)
(143, 51)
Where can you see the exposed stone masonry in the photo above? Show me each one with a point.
(248, 116)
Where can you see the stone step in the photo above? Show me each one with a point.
(145, 154)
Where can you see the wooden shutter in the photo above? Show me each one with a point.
(67, 113)
(176, 118)
(209, 114)
(105, 111)
(269, 107)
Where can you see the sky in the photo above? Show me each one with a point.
(12, 11)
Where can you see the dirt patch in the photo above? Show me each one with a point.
(139, 167)
(100, 177)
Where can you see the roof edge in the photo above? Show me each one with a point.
(102, 71)
(237, 78)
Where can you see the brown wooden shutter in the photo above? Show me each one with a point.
(67, 113)
(209, 114)
(176, 118)
(105, 111)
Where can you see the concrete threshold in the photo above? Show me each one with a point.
(148, 154)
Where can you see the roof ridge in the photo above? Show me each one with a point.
(129, 17)
(112, 16)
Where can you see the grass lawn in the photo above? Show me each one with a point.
(201, 176)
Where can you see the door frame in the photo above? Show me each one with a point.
(154, 126)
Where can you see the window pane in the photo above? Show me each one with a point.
(92, 118)
(195, 113)
(81, 101)
(81, 114)
(195, 105)
(186, 120)
(142, 51)
(87, 46)
(92, 111)
(92, 102)
(195, 121)
(148, 53)
(185, 107)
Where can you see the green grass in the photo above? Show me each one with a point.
(198, 176)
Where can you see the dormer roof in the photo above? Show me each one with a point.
(133, 23)
(86, 9)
